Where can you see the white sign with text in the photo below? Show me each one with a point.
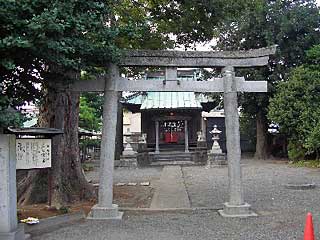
(33, 153)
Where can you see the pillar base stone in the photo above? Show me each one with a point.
(105, 213)
(240, 211)
(129, 161)
(18, 234)
(216, 160)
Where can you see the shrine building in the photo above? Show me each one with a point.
(171, 120)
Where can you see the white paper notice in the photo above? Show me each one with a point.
(33, 153)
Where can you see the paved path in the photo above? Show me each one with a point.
(170, 190)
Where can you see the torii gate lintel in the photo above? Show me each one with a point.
(173, 59)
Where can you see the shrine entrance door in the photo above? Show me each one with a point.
(172, 132)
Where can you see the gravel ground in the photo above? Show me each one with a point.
(126, 175)
(281, 211)
(263, 187)
(191, 226)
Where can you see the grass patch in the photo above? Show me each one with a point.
(87, 167)
(64, 210)
(307, 163)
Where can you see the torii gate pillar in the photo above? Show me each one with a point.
(105, 209)
(236, 207)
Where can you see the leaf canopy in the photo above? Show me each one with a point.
(295, 106)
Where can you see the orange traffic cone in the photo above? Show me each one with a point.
(308, 229)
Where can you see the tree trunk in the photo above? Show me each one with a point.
(32, 186)
(119, 138)
(262, 137)
(61, 110)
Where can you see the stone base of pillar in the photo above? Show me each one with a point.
(240, 211)
(201, 144)
(105, 213)
(129, 152)
(128, 161)
(216, 149)
(18, 234)
(216, 159)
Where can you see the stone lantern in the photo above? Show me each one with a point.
(215, 156)
(128, 150)
(129, 155)
(215, 137)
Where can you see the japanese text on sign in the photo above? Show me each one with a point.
(33, 153)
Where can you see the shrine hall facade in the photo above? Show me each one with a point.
(171, 120)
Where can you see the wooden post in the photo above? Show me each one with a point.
(49, 187)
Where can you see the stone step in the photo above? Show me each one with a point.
(173, 157)
(180, 149)
(174, 163)
(173, 153)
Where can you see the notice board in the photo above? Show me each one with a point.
(33, 153)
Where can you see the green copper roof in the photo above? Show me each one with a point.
(170, 100)
(134, 100)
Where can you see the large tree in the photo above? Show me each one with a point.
(49, 42)
(193, 22)
(296, 107)
(294, 27)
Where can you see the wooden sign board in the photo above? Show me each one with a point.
(33, 153)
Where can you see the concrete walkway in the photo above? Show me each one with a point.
(170, 190)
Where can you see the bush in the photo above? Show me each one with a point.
(296, 108)
(296, 152)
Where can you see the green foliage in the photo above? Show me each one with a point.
(90, 117)
(87, 167)
(248, 126)
(195, 21)
(139, 27)
(292, 25)
(313, 56)
(64, 209)
(308, 163)
(46, 42)
(9, 117)
(296, 151)
(90, 142)
(296, 105)
(69, 34)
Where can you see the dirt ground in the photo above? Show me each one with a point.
(124, 196)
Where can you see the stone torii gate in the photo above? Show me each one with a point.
(113, 83)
